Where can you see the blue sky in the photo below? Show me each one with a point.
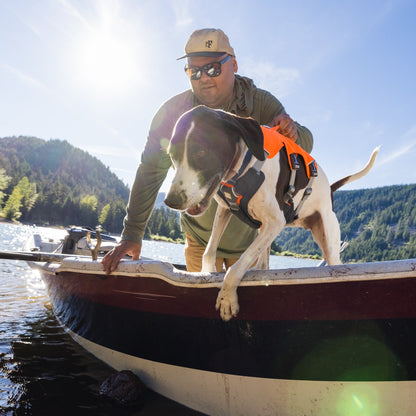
(95, 72)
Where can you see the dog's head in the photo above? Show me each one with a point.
(202, 149)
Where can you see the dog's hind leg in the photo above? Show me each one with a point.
(326, 233)
(221, 220)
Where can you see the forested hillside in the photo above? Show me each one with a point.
(52, 182)
(379, 224)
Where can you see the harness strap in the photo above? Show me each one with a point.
(314, 173)
(243, 166)
(288, 198)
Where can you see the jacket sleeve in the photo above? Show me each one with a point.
(305, 138)
(153, 168)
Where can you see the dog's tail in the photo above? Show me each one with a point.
(351, 178)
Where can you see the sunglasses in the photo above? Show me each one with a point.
(212, 69)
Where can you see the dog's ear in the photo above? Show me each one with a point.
(250, 131)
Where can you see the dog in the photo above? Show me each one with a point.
(208, 148)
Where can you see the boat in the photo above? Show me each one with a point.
(333, 340)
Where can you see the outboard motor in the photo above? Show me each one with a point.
(77, 233)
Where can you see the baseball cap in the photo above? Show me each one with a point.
(208, 42)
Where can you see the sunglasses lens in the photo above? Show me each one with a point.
(212, 70)
(194, 73)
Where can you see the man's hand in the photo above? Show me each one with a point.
(286, 125)
(113, 257)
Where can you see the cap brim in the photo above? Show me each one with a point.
(197, 54)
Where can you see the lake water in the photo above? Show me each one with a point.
(42, 370)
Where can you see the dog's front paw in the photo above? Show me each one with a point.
(227, 303)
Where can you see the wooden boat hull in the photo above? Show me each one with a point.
(313, 341)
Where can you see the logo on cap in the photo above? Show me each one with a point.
(208, 43)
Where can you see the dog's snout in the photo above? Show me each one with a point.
(176, 200)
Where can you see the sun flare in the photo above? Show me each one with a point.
(107, 63)
(105, 57)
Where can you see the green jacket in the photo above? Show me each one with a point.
(248, 101)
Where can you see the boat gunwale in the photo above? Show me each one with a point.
(395, 269)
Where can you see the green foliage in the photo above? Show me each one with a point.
(4, 181)
(164, 222)
(104, 214)
(21, 200)
(88, 210)
(11, 209)
(72, 186)
(112, 215)
(29, 195)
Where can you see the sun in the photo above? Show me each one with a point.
(105, 58)
(108, 64)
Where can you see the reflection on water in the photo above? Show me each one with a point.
(45, 370)
(42, 370)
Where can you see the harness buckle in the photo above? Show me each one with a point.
(294, 161)
(313, 169)
(289, 194)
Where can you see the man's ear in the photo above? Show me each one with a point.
(250, 131)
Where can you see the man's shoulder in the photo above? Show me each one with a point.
(248, 86)
(181, 100)
(171, 110)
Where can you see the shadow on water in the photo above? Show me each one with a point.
(45, 372)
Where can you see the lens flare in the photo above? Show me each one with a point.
(359, 400)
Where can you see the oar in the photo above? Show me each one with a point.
(37, 256)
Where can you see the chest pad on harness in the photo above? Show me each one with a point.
(238, 194)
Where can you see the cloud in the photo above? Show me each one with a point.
(277, 80)
(409, 145)
(25, 78)
(183, 16)
(73, 11)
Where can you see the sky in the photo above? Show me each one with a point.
(94, 73)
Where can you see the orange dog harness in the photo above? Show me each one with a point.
(239, 190)
(273, 143)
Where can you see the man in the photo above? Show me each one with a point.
(211, 67)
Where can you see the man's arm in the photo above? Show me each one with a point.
(149, 178)
(150, 175)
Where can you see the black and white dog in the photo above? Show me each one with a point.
(207, 148)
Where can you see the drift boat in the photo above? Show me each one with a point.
(334, 340)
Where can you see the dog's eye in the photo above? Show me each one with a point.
(200, 154)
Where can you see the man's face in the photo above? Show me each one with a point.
(214, 92)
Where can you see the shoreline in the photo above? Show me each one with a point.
(164, 239)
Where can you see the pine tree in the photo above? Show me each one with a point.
(4, 182)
